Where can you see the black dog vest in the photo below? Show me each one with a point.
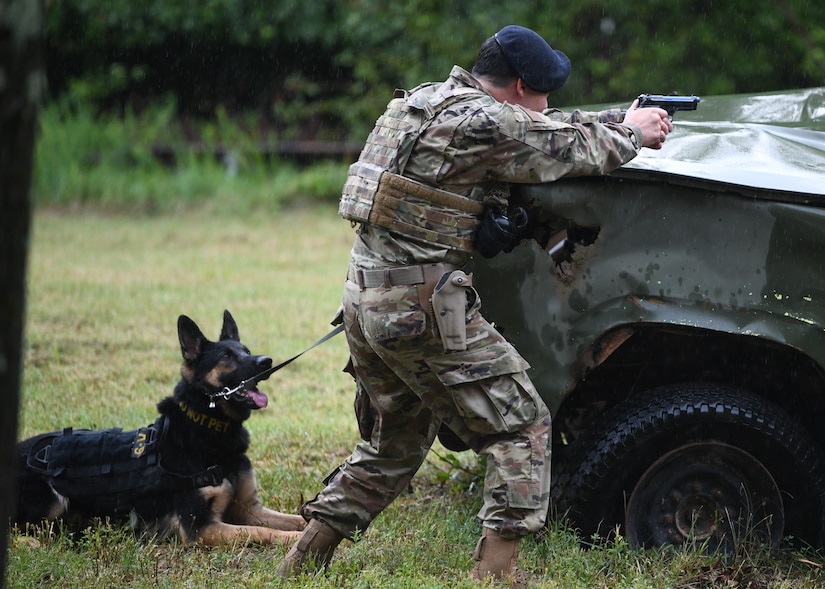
(111, 467)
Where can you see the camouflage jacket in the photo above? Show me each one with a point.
(478, 145)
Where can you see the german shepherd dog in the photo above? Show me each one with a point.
(187, 472)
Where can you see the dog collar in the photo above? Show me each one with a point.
(204, 420)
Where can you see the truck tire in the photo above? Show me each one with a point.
(698, 462)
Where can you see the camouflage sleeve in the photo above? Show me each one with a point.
(528, 147)
(613, 115)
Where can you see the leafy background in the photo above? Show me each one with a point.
(324, 69)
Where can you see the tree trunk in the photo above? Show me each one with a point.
(21, 89)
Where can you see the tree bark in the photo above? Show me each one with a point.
(21, 89)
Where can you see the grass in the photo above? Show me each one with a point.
(86, 161)
(101, 349)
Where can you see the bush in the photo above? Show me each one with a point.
(147, 164)
(326, 69)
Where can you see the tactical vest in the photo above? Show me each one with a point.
(375, 191)
(111, 467)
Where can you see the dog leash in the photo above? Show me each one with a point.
(250, 382)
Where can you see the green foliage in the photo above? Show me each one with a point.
(326, 69)
(152, 163)
(137, 24)
(618, 49)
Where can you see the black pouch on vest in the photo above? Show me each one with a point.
(500, 231)
(108, 467)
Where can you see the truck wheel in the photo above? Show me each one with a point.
(699, 463)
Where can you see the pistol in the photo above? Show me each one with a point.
(670, 103)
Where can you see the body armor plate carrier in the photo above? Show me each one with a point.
(375, 191)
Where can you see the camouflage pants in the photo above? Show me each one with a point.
(483, 394)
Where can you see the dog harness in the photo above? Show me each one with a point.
(112, 467)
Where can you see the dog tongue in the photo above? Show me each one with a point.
(259, 398)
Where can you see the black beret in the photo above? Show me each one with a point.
(541, 67)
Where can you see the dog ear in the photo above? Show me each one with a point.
(191, 338)
(230, 328)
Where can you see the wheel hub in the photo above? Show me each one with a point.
(709, 493)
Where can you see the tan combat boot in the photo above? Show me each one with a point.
(497, 557)
(312, 551)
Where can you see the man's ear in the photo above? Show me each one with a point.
(521, 88)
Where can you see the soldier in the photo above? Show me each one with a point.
(429, 189)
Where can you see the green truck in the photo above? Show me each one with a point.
(673, 313)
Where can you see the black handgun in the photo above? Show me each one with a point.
(670, 103)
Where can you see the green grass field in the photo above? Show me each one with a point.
(104, 294)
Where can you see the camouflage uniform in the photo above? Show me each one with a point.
(472, 147)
